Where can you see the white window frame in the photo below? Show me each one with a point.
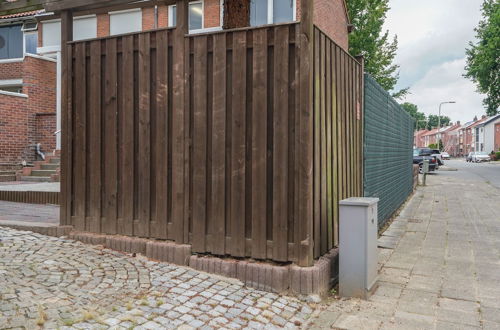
(111, 13)
(270, 11)
(203, 29)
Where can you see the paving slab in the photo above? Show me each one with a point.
(439, 264)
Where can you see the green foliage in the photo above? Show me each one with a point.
(497, 155)
(433, 146)
(368, 39)
(420, 118)
(483, 58)
(434, 121)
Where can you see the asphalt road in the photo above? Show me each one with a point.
(486, 172)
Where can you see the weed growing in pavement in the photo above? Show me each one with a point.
(42, 316)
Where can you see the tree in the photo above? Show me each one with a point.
(434, 121)
(483, 58)
(368, 39)
(420, 118)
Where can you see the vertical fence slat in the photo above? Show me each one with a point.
(259, 145)
(79, 137)
(280, 145)
(144, 189)
(238, 145)
(127, 161)
(110, 122)
(95, 137)
(159, 227)
(199, 144)
(317, 159)
(322, 140)
(218, 208)
(329, 142)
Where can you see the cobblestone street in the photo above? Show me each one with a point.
(57, 283)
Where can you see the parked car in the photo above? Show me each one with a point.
(478, 157)
(437, 153)
(421, 154)
(445, 155)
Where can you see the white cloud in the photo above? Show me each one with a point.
(444, 82)
(432, 39)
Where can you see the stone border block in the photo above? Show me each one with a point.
(304, 281)
(168, 252)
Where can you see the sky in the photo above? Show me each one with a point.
(433, 36)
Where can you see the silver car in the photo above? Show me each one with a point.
(477, 157)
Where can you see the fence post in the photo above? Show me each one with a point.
(305, 136)
(65, 194)
(178, 122)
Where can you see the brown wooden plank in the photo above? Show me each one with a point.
(159, 223)
(317, 145)
(79, 142)
(95, 182)
(323, 145)
(329, 142)
(218, 209)
(237, 214)
(110, 145)
(144, 130)
(305, 135)
(280, 145)
(178, 119)
(127, 156)
(334, 115)
(199, 144)
(259, 144)
(66, 109)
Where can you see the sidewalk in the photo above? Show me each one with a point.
(444, 270)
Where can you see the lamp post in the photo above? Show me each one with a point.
(439, 115)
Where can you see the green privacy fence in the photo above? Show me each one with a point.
(388, 145)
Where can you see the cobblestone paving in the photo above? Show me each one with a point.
(51, 283)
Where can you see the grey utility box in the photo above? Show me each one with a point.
(358, 255)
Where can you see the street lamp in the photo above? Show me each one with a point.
(439, 116)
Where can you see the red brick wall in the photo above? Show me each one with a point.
(11, 70)
(162, 16)
(148, 18)
(102, 25)
(331, 17)
(27, 121)
(212, 13)
(13, 129)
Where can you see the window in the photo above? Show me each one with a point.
(85, 27)
(11, 42)
(271, 11)
(51, 33)
(30, 42)
(125, 21)
(195, 15)
(13, 86)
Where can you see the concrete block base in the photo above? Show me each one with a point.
(305, 281)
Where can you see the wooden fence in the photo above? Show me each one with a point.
(338, 131)
(220, 172)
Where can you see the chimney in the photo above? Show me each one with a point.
(483, 116)
(458, 123)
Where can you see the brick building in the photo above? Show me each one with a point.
(27, 91)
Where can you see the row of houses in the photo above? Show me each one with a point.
(458, 140)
